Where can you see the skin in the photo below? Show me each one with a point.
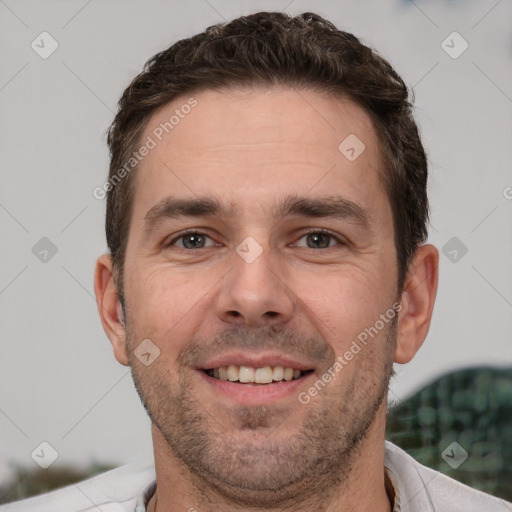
(249, 147)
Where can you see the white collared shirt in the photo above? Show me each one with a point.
(129, 487)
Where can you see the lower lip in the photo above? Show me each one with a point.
(255, 394)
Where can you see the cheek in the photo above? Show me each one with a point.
(341, 304)
(168, 305)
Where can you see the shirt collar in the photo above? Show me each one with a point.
(392, 489)
(145, 496)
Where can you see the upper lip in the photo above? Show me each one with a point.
(256, 360)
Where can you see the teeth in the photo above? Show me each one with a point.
(232, 372)
(246, 374)
(263, 375)
(278, 373)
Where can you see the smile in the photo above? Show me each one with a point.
(249, 374)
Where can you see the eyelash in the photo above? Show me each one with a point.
(340, 241)
(313, 231)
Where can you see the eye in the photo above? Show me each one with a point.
(191, 240)
(320, 240)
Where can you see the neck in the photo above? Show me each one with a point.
(364, 489)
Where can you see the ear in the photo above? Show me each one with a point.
(417, 301)
(109, 307)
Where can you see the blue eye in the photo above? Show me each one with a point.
(320, 239)
(191, 240)
(317, 239)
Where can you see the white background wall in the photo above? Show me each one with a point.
(59, 381)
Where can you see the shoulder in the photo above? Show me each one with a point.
(424, 489)
(117, 490)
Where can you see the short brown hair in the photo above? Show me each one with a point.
(273, 48)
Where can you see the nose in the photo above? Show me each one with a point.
(254, 293)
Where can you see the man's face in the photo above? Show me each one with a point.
(255, 283)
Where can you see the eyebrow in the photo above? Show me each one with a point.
(335, 207)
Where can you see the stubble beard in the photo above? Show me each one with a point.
(259, 464)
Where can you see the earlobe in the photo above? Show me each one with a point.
(109, 307)
(417, 301)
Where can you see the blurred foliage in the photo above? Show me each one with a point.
(31, 482)
(472, 407)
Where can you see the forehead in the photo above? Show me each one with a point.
(252, 143)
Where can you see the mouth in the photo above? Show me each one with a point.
(251, 378)
(256, 375)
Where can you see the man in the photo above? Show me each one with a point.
(266, 220)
